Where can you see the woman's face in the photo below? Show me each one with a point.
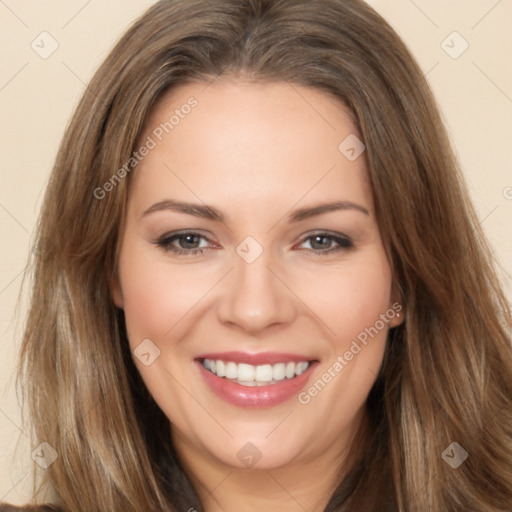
(231, 259)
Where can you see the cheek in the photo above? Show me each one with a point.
(155, 296)
(347, 300)
(351, 305)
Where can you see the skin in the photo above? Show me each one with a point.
(255, 152)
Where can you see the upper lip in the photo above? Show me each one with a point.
(256, 359)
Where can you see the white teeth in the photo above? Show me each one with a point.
(231, 370)
(250, 383)
(245, 372)
(299, 368)
(250, 375)
(278, 371)
(290, 370)
(221, 368)
(263, 373)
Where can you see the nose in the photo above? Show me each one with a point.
(255, 296)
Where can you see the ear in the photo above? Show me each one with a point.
(396, 310)
(395, 314)
(116, 291)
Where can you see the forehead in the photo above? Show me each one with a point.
(237, 139)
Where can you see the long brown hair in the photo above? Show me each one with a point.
(447, 372)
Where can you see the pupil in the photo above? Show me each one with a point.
(187, 239)
(319, 237)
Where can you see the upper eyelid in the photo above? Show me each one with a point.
(168, 236)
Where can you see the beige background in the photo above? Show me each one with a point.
(37, 97)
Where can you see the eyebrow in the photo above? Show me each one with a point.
(211, 213)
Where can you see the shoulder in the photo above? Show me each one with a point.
(4, 507)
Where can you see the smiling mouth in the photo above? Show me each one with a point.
(255, 375)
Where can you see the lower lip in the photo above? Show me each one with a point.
(255, 396)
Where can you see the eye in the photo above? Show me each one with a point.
(189, 243)
(184, 242)
(322, 243)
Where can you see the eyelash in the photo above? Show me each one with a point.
(344, 243)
